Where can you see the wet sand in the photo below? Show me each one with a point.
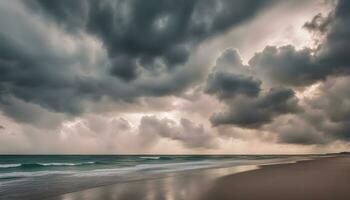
(321, 179)
(173, 186)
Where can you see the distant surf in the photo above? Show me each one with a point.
(150, 157)
(38, 165)
(19, 167)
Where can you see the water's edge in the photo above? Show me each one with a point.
(21, 176)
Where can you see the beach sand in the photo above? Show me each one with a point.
(320, 179)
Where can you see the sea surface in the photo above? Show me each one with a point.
(44, 176)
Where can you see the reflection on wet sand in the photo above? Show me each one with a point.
(174, 186)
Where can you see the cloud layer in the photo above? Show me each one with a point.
(145, 71)
(258, 93)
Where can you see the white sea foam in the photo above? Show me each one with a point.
(65, 164)
(150, 157)
(31, 174)
(43, 164)
(9, 165)
(152, 168)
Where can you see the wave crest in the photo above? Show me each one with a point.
(37, 165)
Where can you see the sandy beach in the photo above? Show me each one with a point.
(321, 179)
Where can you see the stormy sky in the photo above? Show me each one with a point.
(174, 76)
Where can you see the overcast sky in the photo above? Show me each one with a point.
(174, 76)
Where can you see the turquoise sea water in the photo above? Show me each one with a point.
(30, 176)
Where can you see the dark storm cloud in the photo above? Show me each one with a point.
(319, 23)
(226, 85)
(286, 65)
(325, 118)
(188, 133)
(46, 57)
(37, 75)
(149, 30)
(300, 136)
(230, 77)
(127, 69)
(30, 113)
(334, 51)
(247, 105)
(296, 130)
(231, 61)
(331, 108)
(255, 112)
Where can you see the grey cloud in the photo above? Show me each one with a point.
(300, 136)
(88, 134)
(231, 61)
(127, 67)
(59, 57)
(62, 55)
(331, 108)
(228, 60)
(151, 30)
(339, 130)
(98, 124)
(255, 112)
(297, 130)
(28, 113)
(122, 124)
(188, 133)
(230, 77)
(34, 69)
(288, 66)
(325, 117)
(337, 43)
(238, 88)
(319, 23)
(226, 85)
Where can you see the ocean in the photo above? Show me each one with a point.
(34, 176)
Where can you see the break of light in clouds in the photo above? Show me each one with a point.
(174, 76)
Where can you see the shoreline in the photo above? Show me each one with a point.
(205, 183)
(198, 179)
(300, 178)
(53, 180)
